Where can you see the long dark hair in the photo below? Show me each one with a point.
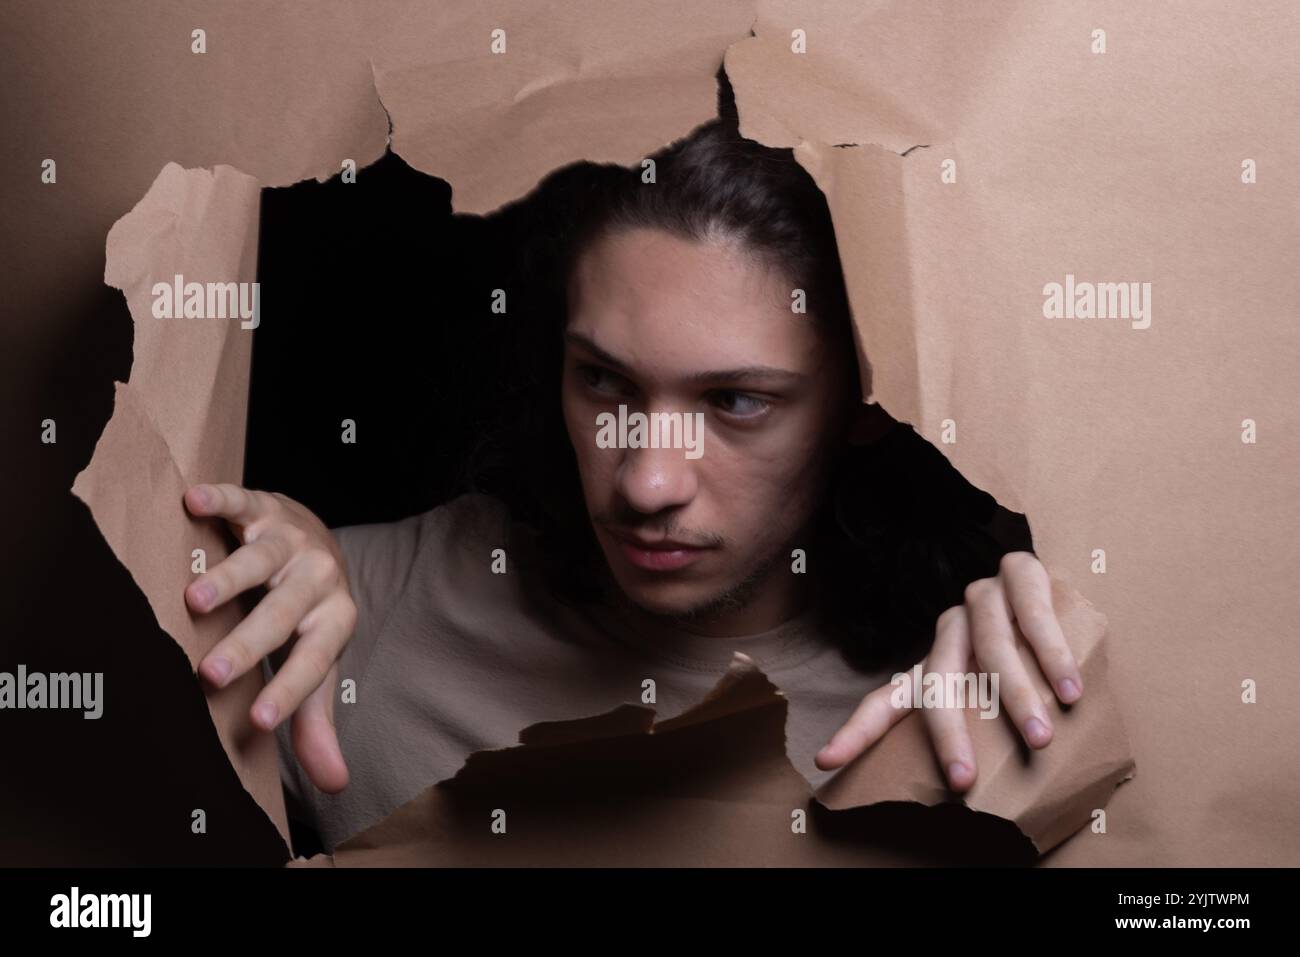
(899, 534)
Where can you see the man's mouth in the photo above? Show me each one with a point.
(658, 554)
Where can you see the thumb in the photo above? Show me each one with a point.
(315, 740)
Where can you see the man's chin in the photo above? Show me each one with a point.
(667, 600)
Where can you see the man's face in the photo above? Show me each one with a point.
(663, 324)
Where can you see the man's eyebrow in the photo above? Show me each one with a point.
(585, 342)
(769, 374)
(740, 373)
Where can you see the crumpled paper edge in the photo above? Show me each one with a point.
(1048, 794)
(117, 528)
(426, 831)
(134, 469)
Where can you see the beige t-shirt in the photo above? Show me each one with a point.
(451, 658)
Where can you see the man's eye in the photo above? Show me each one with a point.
(740, 405)
(601, 380)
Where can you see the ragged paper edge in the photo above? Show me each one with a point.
(1047, 810)
(1047, 800)
(274, 805)
(1034, 791)
(157, 229)
(743, 688)
(133, 473)
(1048, 794)
(493, 125)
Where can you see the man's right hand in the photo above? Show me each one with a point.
(288, 549)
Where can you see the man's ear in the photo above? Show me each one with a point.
(868, 423)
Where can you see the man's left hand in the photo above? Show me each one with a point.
(979, 631)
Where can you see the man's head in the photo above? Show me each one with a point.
(681, 297)
(669, 296)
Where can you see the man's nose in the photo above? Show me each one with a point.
(651, 480)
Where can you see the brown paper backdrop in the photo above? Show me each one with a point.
(1199, 543)
(1114, 167)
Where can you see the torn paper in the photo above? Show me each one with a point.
(710, 786)
(642, 792)
(180, 420)
(1049, 793)
(1033, 156)
(1137, 155)
(492, 96)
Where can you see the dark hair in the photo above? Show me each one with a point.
(714, 183)
(899, 533)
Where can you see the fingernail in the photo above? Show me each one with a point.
(1036, 731)
(204, 594)
(216, 670)
(202, 496)
(957, 772)
(1069, 689)
(266, 713)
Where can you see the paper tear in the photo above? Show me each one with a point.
(178, 420)
(1047, 794)
(1118, 443)
(713, 784)
(943, 271)
(181, 418)
(494, 125)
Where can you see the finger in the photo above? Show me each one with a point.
(315, 739)
(875, 715)
(269, 625)
(245, 568)
(949, 734)
(231, 502)
(1030, 591)
(993, 639)
(322, 635)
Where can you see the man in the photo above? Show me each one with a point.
(623, 557)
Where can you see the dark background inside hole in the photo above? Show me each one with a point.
(376, 308)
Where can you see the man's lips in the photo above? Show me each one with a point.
(658, 555)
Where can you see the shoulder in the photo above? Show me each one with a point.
(417, 564)
(379, 555)
(419, 585)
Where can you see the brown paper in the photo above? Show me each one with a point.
(582, 79)
(180, 420)
(1118, 166)
(1111, 167)
(184, 419)
(1049, 794)
(710, 786)
(717, 777)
